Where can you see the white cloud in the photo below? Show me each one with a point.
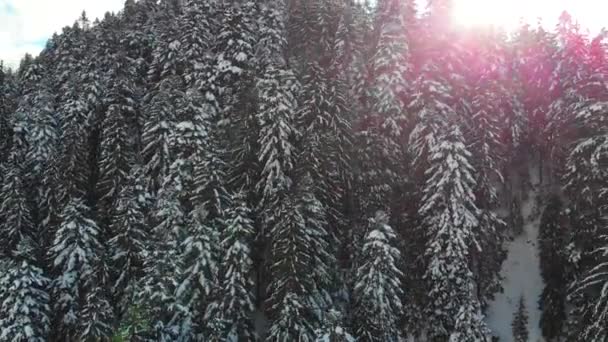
(26, 24)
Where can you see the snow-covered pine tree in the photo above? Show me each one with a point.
(310, 28)
(235, 299)
(552, 241)
(234, 49)
(76, 255)
(534, 65)
(585, 183)
(97, 315)
(451, 217)
(73, 151)
(162, 265)
(159, 129)
(391, 67)
(520, 322)
(380, 131)
(31, 76)
(565, 86)
(119, 138)
(42, 150)
(209, 178)
(333, 329)
(300, 278)
(377, 289)
(198, 33)
(6, 109)
(166, 55)
(490, 107)
(277, 89)
(325, 139)
(24, 300)
(15, 214)
(199, 278)
(595, 284)
(130, 240)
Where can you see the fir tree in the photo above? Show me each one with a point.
(377, 291)
(520, 322)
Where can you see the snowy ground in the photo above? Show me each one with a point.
(521, 272)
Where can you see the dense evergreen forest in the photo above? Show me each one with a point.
(290, 170)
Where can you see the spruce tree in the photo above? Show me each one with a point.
(535, 47)
(6, 104)
(73, 151)
(199, 278)
(277, 104)
(520, 322)
(236, 271)
(380, 136)
(197, 36)
(97, 315)
(76, 255)
(120, 138)
(162, 265)
(333, 329)
(129, 243)
(451, 217)
(565, 83)
(325, 139)
(552, 237)
(592, 286)
(377, 284)
(299, 271)
(15, 213)
(24, 301)
(584, 182)
(158, 130)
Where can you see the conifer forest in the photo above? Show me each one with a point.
(306, 171)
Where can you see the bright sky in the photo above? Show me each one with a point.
(25, 25)
(591, 14)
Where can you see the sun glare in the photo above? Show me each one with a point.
(509, 13)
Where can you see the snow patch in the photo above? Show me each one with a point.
(521, 272)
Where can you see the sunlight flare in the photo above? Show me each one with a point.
(509, 13)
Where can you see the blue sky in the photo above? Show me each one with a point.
(25, 25)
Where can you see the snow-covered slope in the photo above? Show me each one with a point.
(521, 272)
